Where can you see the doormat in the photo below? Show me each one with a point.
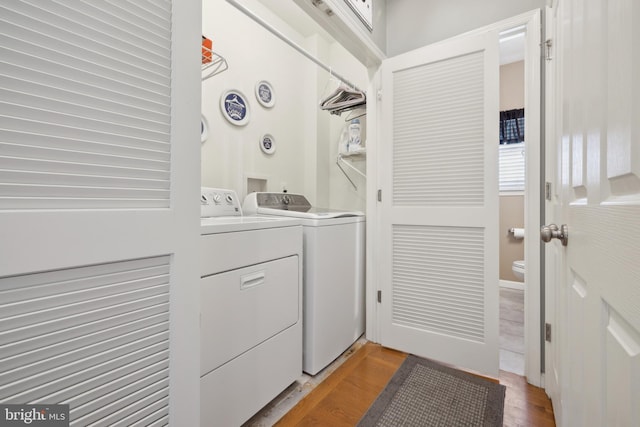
(424, 393)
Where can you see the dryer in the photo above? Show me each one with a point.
(334, 273)
(250, 307)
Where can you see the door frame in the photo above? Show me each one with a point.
(533, 214)
(551, 175)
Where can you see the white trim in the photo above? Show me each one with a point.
(186, 91)
(532, 220)
(373, 231)
(510, 284)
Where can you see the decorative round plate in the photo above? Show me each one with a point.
(204, 128)
(264, 94)
(268, 143)
(235, 107)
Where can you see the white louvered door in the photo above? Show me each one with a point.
(439, 277)
(99, 226)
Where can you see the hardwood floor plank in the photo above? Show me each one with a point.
(345, 396)
(355, 385)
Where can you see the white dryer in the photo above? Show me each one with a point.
(250, 305)
(334, 273)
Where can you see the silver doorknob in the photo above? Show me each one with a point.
(551, 231)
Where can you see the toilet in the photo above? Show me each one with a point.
(518, 269)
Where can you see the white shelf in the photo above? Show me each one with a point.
(212, 63)
(340, 160)
(359, 153)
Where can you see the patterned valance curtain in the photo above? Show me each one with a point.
(512, 126)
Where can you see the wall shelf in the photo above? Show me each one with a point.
(340, 161)
(212, 63)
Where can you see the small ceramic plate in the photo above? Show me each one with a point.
(264, 94)
(204, 128)
(235, 107)
(268, 143)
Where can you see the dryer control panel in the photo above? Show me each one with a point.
(219, 202)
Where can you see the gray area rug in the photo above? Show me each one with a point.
(424, 393)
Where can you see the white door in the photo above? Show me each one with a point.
(596, 329)
(553, 254)
(98, 209)
(439, 208)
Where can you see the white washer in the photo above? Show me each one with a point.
(334, 273)
(250, 308)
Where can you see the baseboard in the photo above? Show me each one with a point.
(512, 285)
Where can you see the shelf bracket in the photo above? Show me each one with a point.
(339, 161)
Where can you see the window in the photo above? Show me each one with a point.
(511, 167)
(511, 157)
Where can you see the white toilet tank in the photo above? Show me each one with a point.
(518, 269)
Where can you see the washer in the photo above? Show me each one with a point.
(334, 272)
(250, 308)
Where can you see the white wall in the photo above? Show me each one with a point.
(306, 137)
(232, 153)
(415, 23)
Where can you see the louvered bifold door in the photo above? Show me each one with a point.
(96, 239)
(439, 203)
(84, 104)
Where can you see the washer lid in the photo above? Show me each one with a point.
(292, 205)
(311, 213)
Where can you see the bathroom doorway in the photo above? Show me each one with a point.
(512, 196)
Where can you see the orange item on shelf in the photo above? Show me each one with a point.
(206, 50)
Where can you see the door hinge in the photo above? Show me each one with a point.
(379, 296)
(379, 95)
(547, 332)
(548, 43)
(379, 195)
(547, 190)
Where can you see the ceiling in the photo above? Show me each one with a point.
(512, 42)
(512, 46)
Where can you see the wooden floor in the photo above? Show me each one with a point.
(345, 396)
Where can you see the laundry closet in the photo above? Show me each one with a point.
(421, 171)
(287, 135)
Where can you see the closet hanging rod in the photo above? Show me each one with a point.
(290, 42)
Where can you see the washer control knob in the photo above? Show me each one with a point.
(217, 198)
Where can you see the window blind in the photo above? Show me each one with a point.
(512, 174)
(85, 104)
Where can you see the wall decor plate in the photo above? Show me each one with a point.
(235, 107)
(264, 94)
(268, 143)
(204, 128)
